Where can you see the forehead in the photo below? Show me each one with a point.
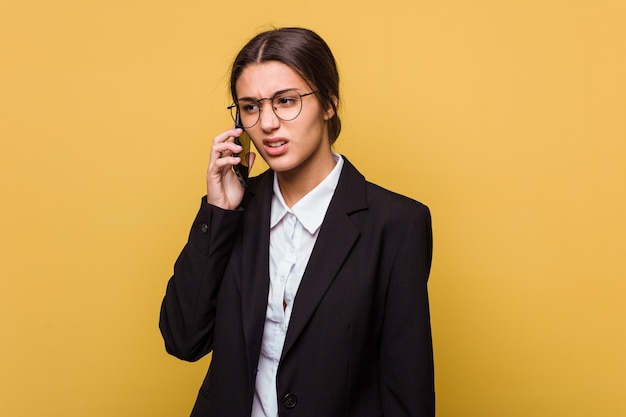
(264, 79)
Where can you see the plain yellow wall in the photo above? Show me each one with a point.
(507, 118)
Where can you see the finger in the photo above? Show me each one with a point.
(227, 149)
(221, 168)
(227, 134)
(226, 141)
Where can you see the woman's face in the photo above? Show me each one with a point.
(298, 146)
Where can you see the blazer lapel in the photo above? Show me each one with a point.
(336, 238)
(255, 264)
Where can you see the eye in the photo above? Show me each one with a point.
(286, 100)
(249, 107)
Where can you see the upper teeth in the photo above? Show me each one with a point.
(275, 144)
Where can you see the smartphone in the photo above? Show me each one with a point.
(243, 140)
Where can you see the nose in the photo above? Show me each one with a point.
(267, 118)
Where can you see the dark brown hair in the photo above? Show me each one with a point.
(305, 52)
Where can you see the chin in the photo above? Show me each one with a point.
(282, 165)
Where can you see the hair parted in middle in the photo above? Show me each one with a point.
(305, 52)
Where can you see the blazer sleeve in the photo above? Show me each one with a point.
(407, 374)
(187, 317)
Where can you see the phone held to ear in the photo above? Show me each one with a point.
(243, 140)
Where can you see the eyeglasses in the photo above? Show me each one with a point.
(286, 104)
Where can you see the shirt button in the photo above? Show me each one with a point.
(290, 401)
(204, 227)
(282, 278)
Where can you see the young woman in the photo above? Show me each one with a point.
(310, 284)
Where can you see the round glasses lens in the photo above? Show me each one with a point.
(248, 113)
(287, 105)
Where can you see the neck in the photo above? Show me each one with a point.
(296, 184)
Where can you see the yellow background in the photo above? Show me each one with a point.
(507, 118)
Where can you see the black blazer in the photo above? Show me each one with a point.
(359, 339)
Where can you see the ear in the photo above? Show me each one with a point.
(330, 111)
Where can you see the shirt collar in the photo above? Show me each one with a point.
(311, 208)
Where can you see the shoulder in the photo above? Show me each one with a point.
(389, 206)
(377, 195)
(376, 198)
(377, 209)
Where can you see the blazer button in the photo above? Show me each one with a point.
(204, 227)
(290, 401)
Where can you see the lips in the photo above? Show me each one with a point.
(275, 146)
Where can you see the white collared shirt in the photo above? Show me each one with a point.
(293, 232)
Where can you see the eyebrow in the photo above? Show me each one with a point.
(272, 96)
